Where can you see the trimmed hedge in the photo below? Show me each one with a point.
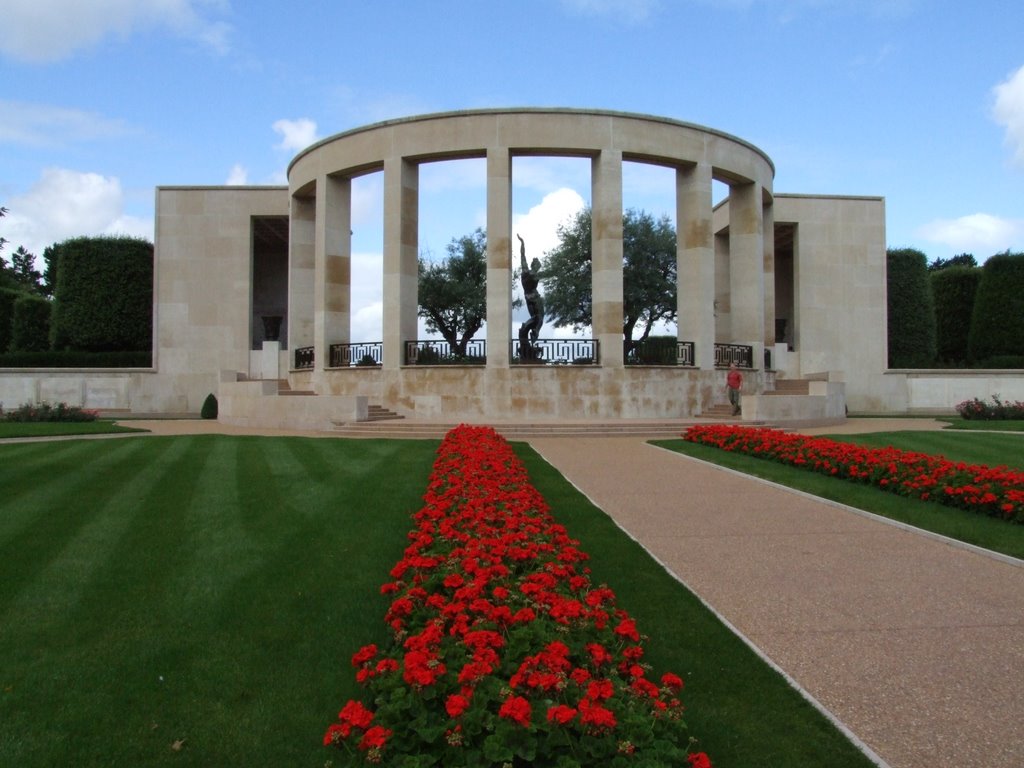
(209, 409)
(911, 309)
(70, 358)
(30, 328)
(953, 290)
(997, 324)
(103, 299)
(7, 299)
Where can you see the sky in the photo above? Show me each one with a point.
(918, 101)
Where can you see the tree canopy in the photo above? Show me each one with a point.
(453, 291)
(649, 273)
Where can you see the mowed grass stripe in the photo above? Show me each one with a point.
(989, 449)
(239, 649)
(40, 520)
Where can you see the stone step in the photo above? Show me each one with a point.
(791, 387)
(520, 431)
(380, 413)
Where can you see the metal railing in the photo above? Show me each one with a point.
(741, 354)
(659, 352)
(440, 352)
(304, 357)
(360, 354)
(555, 352)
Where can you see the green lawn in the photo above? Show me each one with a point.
(59, 428)
(207, 592)
(972, 447)
(995, 425)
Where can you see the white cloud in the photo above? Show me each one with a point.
(1008, 111)
(979, 233)
(295, 134)
(40, 31)
(44, 125)
(66, 203)
(539, 226)
(238, 176)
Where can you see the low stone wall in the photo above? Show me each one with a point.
(940, 391)
(824, 404)
(100, 389)
(528, 392)
(258, 404)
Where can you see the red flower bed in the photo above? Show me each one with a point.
(503, 651)
(995, 491)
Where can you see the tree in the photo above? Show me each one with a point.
(648, 274)
(997, 325)
(960, 260)
(103, 299)
(453, 291)
(911, 309)
(953, 289)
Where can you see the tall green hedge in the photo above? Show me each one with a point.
(30, 329)
(911, 309)
(953, 289)
(7, 298)
(997, 325)
(103, 298)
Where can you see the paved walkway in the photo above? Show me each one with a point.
(913, 644)
(916, 645)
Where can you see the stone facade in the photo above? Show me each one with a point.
(796, 280)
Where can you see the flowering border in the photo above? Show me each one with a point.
(503, 652)
(993, 491)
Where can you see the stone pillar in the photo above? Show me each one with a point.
(746, 268)
(695, 262)
(606, 250)
(332, 294)
(499, 257)
(768, 219)
(301, 274)
(401, 242)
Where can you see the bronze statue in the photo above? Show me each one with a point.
(529, 330)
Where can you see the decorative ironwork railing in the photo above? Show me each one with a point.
(440, 352)
(659, 352)
(361, 354)
(304, 357)
(555, 352)
(741, 354)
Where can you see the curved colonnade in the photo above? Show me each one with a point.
(320, 184)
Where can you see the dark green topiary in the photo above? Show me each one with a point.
(911, 309)
(953, 289)
(7, 298)
(30, 329)
(103, 298)
(209, 409)
(997, 325)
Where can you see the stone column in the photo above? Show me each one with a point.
(401, 241)
(768, 218)
(695, 262)
(606, 250)
(332, 293)
(499, 256)
(746, 268)
(301, 274)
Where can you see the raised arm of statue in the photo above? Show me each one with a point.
(522, 253)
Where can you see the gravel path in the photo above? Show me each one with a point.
(914, 644)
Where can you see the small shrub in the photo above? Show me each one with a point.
(979, 410)
(209, 409)
(32, 412)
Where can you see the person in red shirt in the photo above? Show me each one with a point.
(733, 382)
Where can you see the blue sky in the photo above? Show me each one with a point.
(920, 102)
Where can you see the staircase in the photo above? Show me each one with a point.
(791, 387)
(428, 430)
(284, 388)
(380, 413)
